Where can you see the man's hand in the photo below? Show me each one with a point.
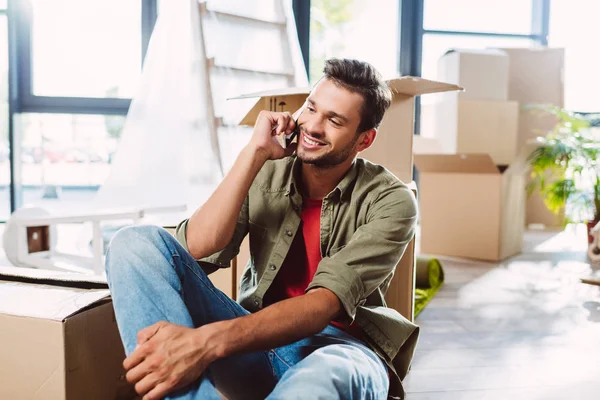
(269, 125)
(168, 357)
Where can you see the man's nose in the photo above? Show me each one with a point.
(313, 126)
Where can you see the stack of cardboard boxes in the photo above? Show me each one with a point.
(472, 181)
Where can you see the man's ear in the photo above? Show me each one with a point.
(366, 139)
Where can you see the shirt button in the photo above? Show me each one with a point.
(256, 303)
(289, 233)
(273, 267)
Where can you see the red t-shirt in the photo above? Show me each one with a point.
(302, 260)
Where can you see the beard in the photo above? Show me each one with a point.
(327, 159)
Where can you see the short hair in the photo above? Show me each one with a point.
(362, 78)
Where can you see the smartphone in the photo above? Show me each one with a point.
(290, 138)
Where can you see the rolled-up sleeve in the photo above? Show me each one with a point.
(222, 258)
(373, 252)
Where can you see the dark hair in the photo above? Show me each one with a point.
(362, 78)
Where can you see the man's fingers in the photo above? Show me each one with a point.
(138, 372)
(135, 358)
(159, 391)
(145, 334)
(147, 384)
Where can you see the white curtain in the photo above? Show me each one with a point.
(173, 151)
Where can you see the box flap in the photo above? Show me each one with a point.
(291, 99)
(456, 163)
(287, 99)
(49, 277)
(487, 52)
(54, 302)
(276, 92)
(414, 86)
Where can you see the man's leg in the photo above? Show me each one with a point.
(152, 278)
(329, 365)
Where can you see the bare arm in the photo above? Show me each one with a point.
(211, 227)
(279, 324)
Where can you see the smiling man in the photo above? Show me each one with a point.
(326, 232)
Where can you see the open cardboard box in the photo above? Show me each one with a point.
(393, 149)
(58, 338)
(470, 207)
(393, 146)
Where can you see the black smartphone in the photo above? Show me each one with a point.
(290, 138)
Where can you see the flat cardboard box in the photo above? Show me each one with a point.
(483, 73)
(393, 146)
(58, 338)
(478, 126)
(469, 208)
(536, 76)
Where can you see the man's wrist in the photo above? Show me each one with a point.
(257, 153)
(214, 338)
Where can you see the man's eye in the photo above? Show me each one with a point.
(311, 109)
(333, 121)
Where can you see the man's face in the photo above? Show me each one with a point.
(328, 125)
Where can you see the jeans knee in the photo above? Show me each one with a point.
(355, 370)
(134, 241)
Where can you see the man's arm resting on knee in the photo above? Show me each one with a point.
(277, 325)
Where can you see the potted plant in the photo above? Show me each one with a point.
(565, 168)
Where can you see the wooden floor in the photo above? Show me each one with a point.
(524, 329)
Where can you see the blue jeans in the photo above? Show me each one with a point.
(153, 278)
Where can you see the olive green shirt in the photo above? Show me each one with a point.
(366, 223)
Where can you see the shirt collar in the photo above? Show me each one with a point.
(345, 185)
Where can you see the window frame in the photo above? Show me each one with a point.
(21, 97)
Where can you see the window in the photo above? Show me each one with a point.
(574, 26)
(494, 16)
(64, 158)
(359, 29)
(475, 24)
(86, 48)
(4, 116)
(77, 67)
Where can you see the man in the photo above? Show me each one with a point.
(326, 232)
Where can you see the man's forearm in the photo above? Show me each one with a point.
(277, 325)
(211, 227)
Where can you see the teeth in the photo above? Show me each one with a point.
(311, 142)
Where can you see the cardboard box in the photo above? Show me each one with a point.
(58, 338)
(478, 126)
(536, 76)
(469, 208)
(483, 73)
(393, 146)
(401, 293)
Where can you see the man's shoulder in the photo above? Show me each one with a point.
(275, 174)
(377, 175)
(383, 187)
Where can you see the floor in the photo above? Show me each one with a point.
(524, 329)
